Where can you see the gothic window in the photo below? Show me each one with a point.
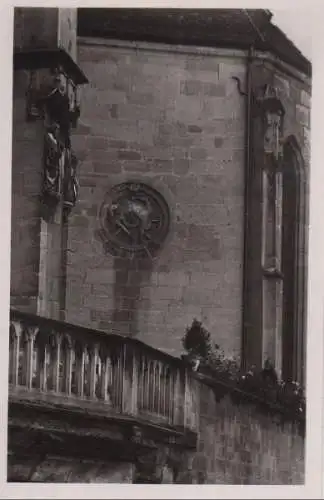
(283, 261)
(272, 180)
(272, 219)
(293, 263)
(271, 263)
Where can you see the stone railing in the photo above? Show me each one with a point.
(71, 366)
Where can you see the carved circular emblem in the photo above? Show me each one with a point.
(134, 220)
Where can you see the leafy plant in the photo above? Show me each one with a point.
(197, 340)
(263, 384)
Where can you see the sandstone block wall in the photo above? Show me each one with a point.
(55, 469)
(238, 444)
(27, 156)
(36, 266)
(173, 120)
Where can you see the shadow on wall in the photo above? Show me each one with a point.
(130, 276)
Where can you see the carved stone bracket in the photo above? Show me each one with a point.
(165, 464)
(153, 465)
(163, 461)
(149, 466)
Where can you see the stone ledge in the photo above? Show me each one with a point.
(239, 396)
(89, 430)
(161, 47)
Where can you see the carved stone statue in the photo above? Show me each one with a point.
(71, 185)
(273, 122)
(60, 164)
(53, 157)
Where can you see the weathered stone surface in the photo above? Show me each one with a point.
(302, 115)
(26, 186)
(170, 132)
(182, 131)
(129, 155)
(305, 98)
(283, 86)
(218, 142)
(239, 445)
(196, 87)
(56, 469)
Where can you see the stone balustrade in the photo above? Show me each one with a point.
(69, 366)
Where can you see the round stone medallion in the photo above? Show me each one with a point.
(134, 220)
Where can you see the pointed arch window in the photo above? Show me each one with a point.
(294, 264)
(284, 261)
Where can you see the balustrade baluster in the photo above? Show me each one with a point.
(106, 378)
(67, 372)
(165, 370)
(178, 399)
(79, 370)
(15, 333)
(36, 361)
(93, 371)
(31, 333)
(140, 382)
(167, 392)
(195, 400)
(145, 385)
(113, 382)
(155, 387)
(116, 378)
(98, 375)
(125, 383)
(148, 384)
(87, 367)
(150, 376)
(188, 401)
(172, 401)
(120, 365)
(122, 375)
(43, 355)
(159, 387)
(57, 361)
(169, 397)
(50, 362)
(135, 381)
(163, 379)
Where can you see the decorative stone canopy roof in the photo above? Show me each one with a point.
(230, 28)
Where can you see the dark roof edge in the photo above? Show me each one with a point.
(262, 34)
(34, 58)
(283, 65)
(304, 63)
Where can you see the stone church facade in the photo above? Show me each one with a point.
(188, 120)
(182, 186)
